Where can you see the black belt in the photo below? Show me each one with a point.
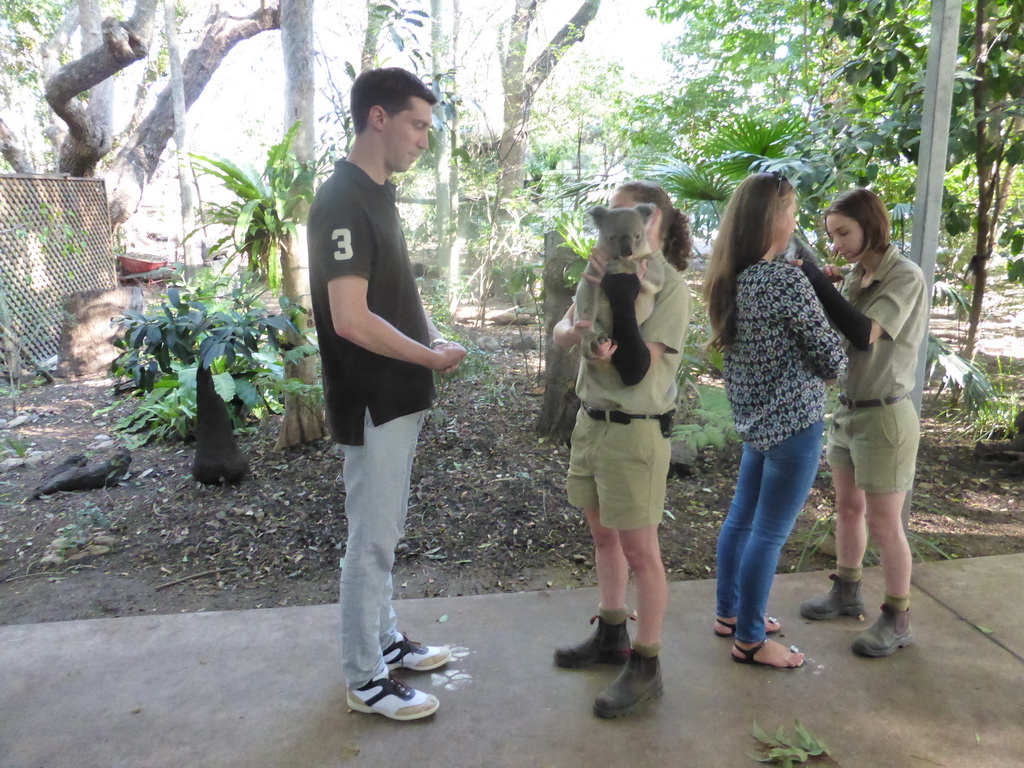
(844, 400)
(618, 417)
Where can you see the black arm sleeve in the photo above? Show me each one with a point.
(632, 358)
(851, 322)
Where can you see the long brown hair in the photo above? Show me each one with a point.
(868, 210)
(676, 241)
(745, 235)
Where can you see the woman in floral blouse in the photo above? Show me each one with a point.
(779, 351)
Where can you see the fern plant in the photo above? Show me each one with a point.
(960, 375)
(708, 422)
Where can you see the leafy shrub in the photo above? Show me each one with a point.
(216, 323)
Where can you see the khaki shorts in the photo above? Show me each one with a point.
(879, 444)
(620, 468)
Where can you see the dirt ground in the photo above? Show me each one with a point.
(488, 511)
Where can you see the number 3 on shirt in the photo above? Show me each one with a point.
(343, 239)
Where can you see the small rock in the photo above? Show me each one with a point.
(51, 559)
(105, 540)
(97, 549)
(101, 438)
(8, 464)
(526, 344)
(34, 460)
(488, 344)
(17, 421)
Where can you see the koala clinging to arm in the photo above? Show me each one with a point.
(622, 239)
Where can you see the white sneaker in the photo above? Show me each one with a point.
(392, 698)
(408, 654)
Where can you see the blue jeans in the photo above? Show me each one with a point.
(376, 502)
(770, 492)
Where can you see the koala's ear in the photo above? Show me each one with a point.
(646, 209)
(597, 213)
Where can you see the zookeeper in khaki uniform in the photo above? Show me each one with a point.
(872, 445)
(619, 460)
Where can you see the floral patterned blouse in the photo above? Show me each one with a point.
(783, 352)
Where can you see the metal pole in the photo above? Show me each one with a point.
(931, 166)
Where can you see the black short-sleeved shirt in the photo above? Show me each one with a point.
(354, 229)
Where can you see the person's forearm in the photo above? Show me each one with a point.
(374, 333)
(432, 333)
(564, 334)
(851, 322)
(632, 357)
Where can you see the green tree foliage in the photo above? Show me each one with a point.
(986, 142)
(266, 208)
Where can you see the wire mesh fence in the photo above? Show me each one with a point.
(54, 240)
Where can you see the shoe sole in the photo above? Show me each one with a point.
(615, 662)
(611, 714)
(857, 613)
(358, 706)
(421, 668)
(871, 653)
(399, 665)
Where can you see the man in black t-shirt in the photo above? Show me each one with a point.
(378, 349)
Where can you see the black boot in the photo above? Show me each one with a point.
(843, 599)
(608, 645)
(891, 631)
(640, 681)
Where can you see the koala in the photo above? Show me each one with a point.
(622, 235)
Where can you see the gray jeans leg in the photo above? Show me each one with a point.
(376, 501)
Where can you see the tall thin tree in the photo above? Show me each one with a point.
(193, 258)
(303, 418)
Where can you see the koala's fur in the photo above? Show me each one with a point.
(622, 236)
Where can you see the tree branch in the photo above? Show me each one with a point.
(567, 36)
(12, 152)
(49, 62)
(138, 159)
(124, 43)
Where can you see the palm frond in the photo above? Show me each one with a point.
(960, 374)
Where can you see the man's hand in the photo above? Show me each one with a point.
(448, 356)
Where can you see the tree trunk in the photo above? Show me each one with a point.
(12, 151)
(49, 58)
(374, 24)
(86, 336)
(520, 84)
(192, 256)
(138, 159)
(123, 44)
(988, 179)
(303, 414)
(101, 96)
(218, 459)
(457, 224)
(558, 410)
(440, 58)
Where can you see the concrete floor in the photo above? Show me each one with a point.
(263, 688)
